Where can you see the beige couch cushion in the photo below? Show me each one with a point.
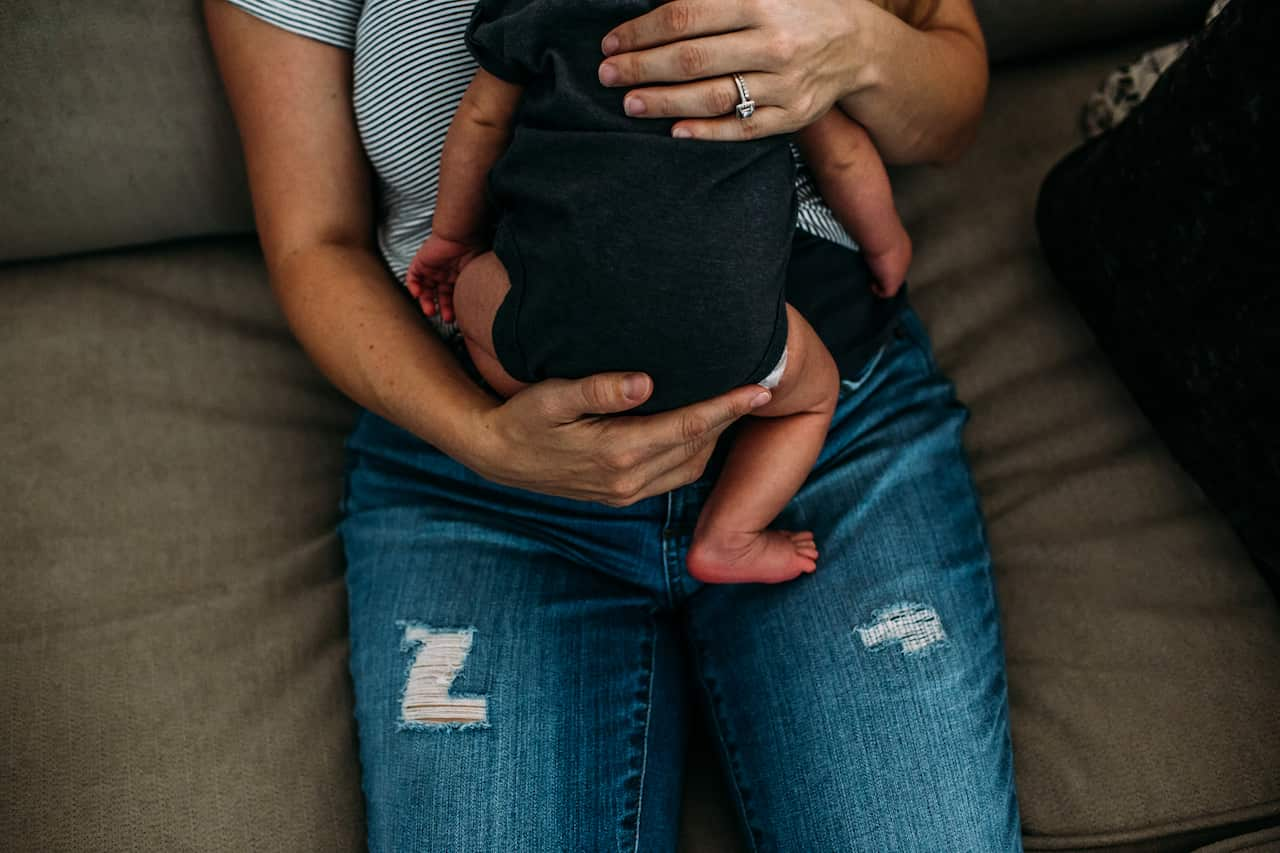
(172, 626)
(113, 128)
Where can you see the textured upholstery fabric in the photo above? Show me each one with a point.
(113, 128)
(130, 141)
(172, 626)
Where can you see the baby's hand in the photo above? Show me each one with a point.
(434, 272)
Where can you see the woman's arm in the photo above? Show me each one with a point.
(919, 93)
(312, 200)
(313, 204)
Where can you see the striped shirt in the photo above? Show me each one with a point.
(411, 66)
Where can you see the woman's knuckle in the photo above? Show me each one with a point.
(720, 100)
(780, 50)
(692, 59)
(805, 104)
(678, 18)
(625, 487)
(628, 67)
(614, 462)
(627, 459)
(544, 407)
(693, 428)
(593, 393)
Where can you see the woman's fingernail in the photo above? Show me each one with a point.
(633, 106)
(682, 133)
(634, 386)
(608, 74)
(609, 45)
(760, 399)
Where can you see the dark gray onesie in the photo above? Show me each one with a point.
(627, 249)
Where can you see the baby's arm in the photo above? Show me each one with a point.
(478, 134)
(853, 181)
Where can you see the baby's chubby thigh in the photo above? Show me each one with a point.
(482, 286)
(810, 381)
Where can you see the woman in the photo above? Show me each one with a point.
(523, 628)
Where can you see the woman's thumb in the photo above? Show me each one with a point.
(604, 393)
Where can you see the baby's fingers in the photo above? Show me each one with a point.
(444, 295)
(413, 279)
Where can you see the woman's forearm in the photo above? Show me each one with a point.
(919, 93)
(372, 344)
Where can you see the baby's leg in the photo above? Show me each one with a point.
(482, 285)
(771, 456)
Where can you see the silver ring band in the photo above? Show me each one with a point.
(746, 106)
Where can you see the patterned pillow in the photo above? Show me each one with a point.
(1166, 230)
(1128, 85)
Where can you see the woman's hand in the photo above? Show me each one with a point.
(918, 91)
(549, 438)
(797, 58)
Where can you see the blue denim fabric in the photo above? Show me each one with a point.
(862, 707)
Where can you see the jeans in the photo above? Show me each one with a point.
(525, 665)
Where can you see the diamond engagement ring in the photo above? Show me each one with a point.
(746, 106)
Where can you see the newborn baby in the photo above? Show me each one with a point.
(618, 247)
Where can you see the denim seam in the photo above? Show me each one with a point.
(728, 751)
(644, 753)
(642, 716)
(993, 602)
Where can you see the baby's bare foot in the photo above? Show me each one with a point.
(769, 556)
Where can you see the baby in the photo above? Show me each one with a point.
(615, 246)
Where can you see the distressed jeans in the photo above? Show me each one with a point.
(525, 666)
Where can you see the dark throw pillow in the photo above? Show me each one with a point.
(1166, 231)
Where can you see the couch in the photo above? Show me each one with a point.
(172, 626)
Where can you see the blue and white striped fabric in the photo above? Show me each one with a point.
(411, 66)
